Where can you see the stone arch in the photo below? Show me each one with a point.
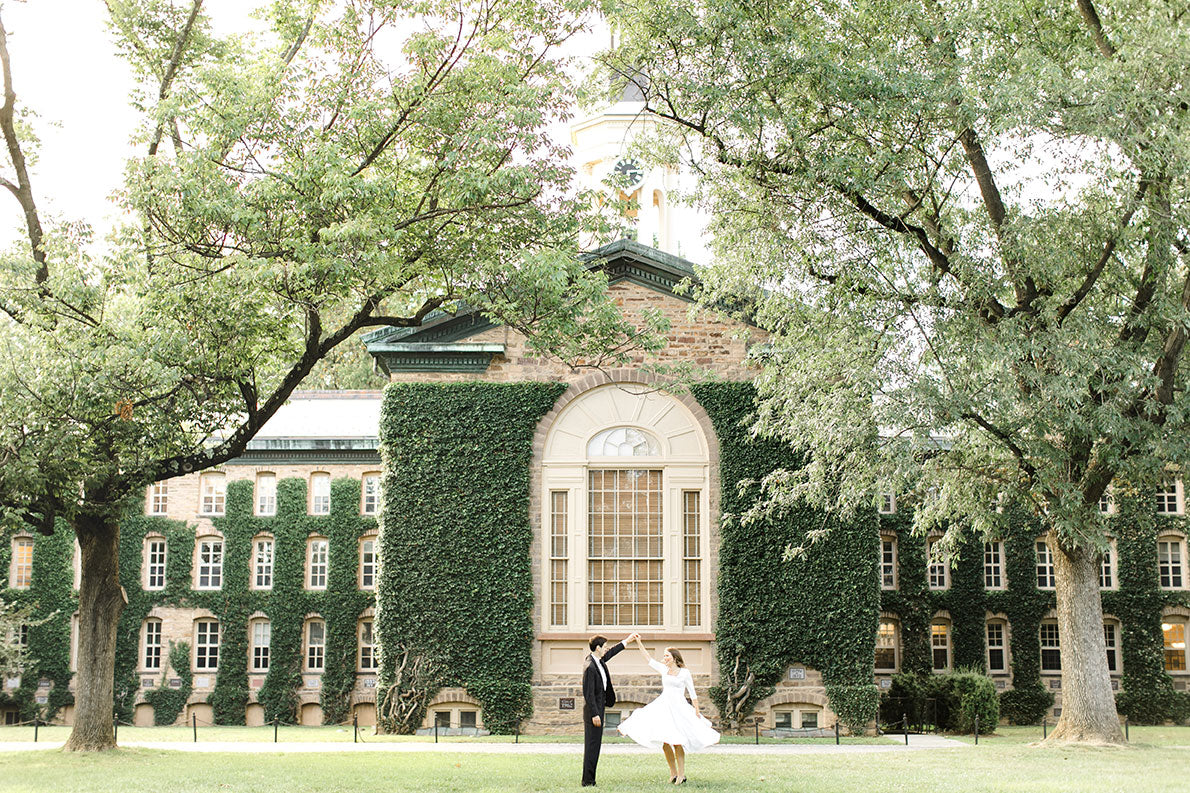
(797, 697)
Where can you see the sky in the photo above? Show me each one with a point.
(66, 69)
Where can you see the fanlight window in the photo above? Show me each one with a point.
(623, 442)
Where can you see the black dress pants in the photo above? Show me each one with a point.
(592, 743)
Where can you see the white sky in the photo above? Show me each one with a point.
(66, 69)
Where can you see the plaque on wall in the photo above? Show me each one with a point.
(43, 683)
(886, 683)
(369, 682)
(313, 682)
(1055, 684)
(797, 673)
(146, 682)
(566, 703)
(12, 682)
(175, 682)
(42, 699)
(202, 682)
(1000, 684)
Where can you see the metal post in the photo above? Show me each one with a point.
(977, 729)
(516, 734)
(194, 724)
(836, 732)
(435, 729)
(274, 729)
(1044, 724)
(36, 724)
(115, 729)
(756, 724)
(905, 727)
(1125, 728)
(355, 728)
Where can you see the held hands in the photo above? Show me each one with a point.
(595, 720)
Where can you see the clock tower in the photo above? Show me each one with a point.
(603, 148)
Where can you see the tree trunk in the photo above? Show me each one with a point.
(101, 600)
(1088, 704)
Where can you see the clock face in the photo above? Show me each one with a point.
(629, 169)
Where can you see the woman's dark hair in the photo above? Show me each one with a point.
(596, 641)
(677, 656)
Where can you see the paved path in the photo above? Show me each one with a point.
(895, 744)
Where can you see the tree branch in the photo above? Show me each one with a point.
(23, 191)
(1086, 9)
(171, 70)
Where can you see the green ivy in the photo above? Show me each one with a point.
(820, 609)
(53, 599)
(456, 592)
(168, 701)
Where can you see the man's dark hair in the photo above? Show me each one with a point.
(596, 641)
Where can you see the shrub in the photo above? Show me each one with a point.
(856, 706)
(1025, 705)
(950, 702)
(974, 696)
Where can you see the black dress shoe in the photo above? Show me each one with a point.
(682, 781)
(673, 780)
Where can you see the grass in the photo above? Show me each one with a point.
(58, 734)
(992, 768)
(1137, 736)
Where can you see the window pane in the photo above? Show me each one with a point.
(624, 548)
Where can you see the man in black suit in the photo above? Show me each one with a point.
(598, 696)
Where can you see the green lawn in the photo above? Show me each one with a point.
(1002, 768)
(1137, 736)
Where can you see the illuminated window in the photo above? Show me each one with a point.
(940, 646)
(20, 574)
(1174, 634)
(886, 647)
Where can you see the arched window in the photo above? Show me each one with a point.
(938, 566)
(997, 646)
(151, 645)
(210, 563)
(367, 646)
(213, 493)
(1173, 631)
(20, 569)
(1171, 561)
(1045, 565)
(1051, 647)
(320, 494)
(206, 645)
(887, 646)
(317, 564)
(315, 645)
(940, 645)
(623, 442)
(153, 562)
(262, 562)
(370, 494)
(261, 633)
(888, 561)
(266, 494)
(367, 562)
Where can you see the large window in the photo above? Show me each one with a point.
(315, 645)
(151, 641)
(154, 562)
(158, 498)
(320, 494)
(997, 645)
(210, 564)
(1107, 567)
(367, 563)
(886, 646)
(316, 563)
(938, 566)
(940, 645)
(559, 556)
(262, 640)
(20, 573)
(262, 563)
(266, 494)
(1173, 630)
(367, 647)
(1111, 639)
(371, 494)
(993, 565)
(213, 493)
(1045, 566)
(888, 563)
(1051, 647)
(1171, 562)
(206, 645)
(692, 557)
(624, 554)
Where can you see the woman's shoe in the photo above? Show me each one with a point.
(673, 780)
(682, 781)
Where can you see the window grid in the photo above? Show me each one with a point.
(22, 563)
(1105, 503)
(210, 564)
(371, 505)
(886, 646)
(320, 494)
(266, 494)
(155, 565)
(692, 557)
(1109, 641)
(996, 659)
(262, 640)
(938, 571)
(1045, 566)
(888, 503)
(158, 498)
(559, 556)
(625, 548)
(1174, 637)
(214, 494)
(993, 565)
(315, 645)
(1107, 568)
(367, 647)
(940, 646)
(367, 564)
(1051, 648)
(263, 572)
(1169, 563)
(1167, 499)
(318, 565)
(206, 646)
(152, 644)
(888, 564)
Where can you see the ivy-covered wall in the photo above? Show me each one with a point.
(820, 609)
(455, 598)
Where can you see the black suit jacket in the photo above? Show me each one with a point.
(596, 698)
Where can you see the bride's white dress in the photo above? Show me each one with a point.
(670, 718)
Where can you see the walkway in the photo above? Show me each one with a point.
(896, 744)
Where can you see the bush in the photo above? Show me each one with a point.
(950, 702)
(856, 706)
(1153, 705)
(1025, 705)
(974, 696)
(905, 697)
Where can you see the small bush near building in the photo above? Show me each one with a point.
(949, 702)
(1025, 705)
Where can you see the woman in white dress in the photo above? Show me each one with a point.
(669, 723)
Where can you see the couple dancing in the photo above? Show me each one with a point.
(668, 723)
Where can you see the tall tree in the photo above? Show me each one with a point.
(971, 221)
(357, 164)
